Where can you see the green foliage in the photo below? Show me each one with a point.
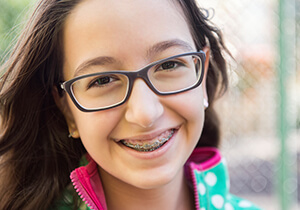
(12, 18)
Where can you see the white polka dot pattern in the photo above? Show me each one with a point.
(217, 201)
(244, 204)
(211, 179)
(228, 206)
(202, 189)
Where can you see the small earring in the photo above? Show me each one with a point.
(71, 134)
(205, 103)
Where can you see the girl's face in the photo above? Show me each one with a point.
(133, 34)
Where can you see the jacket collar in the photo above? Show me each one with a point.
(207, 172)
(203, 167)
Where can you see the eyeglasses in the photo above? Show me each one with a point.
(105, 90)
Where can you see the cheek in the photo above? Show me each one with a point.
(95, 127)
(189, 105)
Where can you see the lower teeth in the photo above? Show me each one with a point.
(149, 147)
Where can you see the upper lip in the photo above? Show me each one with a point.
(146, 136)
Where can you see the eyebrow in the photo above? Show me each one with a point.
(161, 46)
(98, 61)
(153, 50)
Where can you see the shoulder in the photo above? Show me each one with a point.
(233, 202)
(69, 196)
(68, 200)
(207, 171)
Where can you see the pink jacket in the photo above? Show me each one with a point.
(205, 170)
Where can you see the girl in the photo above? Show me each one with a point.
(121, 86)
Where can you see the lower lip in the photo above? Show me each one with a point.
(153, 154)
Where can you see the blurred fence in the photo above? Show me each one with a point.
(260, 113)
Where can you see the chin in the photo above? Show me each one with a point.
(155, 180)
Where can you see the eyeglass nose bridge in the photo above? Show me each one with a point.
(142, 74)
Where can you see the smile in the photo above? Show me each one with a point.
(149, 145)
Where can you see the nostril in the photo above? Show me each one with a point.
(144, 117)
(143, 107)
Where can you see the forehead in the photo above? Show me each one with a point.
(124, 17)
(116, 10)
(121, 28)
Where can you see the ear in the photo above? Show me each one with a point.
(62, 104)
(206, 50)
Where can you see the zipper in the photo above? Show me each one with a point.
(194, 181)
(80, 180)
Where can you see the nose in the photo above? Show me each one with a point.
(143, 107)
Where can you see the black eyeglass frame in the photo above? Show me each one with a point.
(132, 76)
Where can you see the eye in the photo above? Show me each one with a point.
(169, 66)
(102, 81)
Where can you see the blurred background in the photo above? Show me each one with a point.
(260, 113)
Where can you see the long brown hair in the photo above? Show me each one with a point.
(36, 155)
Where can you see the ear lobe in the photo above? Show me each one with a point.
(61, 103)
(206, 50)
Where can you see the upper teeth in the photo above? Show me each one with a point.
(147, 147)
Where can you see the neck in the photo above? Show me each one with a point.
(174, 195)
